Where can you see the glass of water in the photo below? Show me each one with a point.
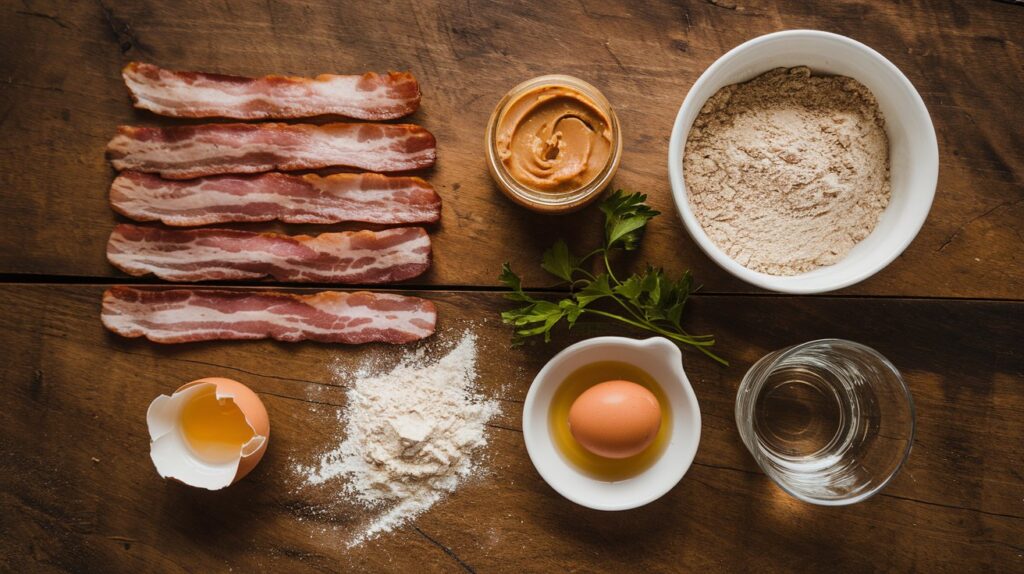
(830, 421)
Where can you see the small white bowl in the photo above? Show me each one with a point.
(913, 150)
(663, 361)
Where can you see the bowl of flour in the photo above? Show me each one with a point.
(803, 162)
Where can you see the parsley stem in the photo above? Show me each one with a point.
(628, 309)
(713, 356)
(699, 337)
(682, 337)
(585, 272)
(591, 254)
(617, 318)
(590, 278)
(696, 340)
(608, 266)
(647, 326)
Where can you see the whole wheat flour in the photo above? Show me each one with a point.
(410, 435)
(787, 172)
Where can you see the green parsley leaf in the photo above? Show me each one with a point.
(630, 288)
(594, 290)
(512, 281)
(626, 215)
(572, 311)
(559, 262)
(534, 319)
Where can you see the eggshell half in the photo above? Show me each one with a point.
(172, 455)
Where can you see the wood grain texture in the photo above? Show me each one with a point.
(61, 98)
(78, 492)
(77, 489)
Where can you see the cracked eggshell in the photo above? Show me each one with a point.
(170, 451)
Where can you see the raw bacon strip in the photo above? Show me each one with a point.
(184, 315)
(198, 95)
(221, 254)
(366, 197)
(183, 152)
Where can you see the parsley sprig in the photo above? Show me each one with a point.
(649, 300)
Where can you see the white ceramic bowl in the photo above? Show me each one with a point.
(913, 150)
(661, 359)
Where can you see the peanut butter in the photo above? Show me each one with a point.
(554, 139)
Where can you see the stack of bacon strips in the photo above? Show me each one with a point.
(191, 175)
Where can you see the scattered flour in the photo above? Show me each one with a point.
(410, 434)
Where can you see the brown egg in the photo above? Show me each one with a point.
(615, 419)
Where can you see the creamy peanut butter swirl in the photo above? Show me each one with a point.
(554, 139)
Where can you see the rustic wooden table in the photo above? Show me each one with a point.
(77, 489)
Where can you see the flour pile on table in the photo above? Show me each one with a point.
(409, 435)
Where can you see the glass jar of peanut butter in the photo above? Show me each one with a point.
(553, 143)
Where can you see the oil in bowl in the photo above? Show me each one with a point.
(593, 465)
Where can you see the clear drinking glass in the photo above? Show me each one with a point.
(830, 421)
